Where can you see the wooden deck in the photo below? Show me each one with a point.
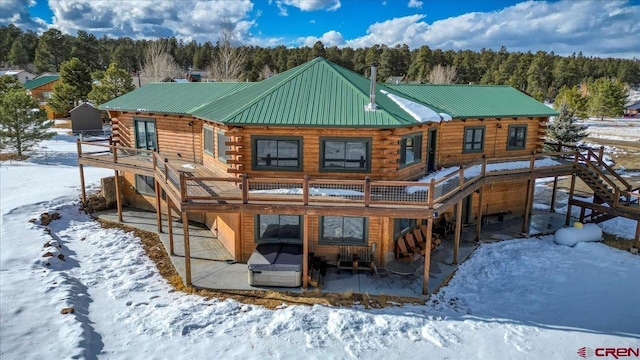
(195, 187)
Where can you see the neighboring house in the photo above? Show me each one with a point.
(310, 156)
(632, 110)
(21, 75)
(85, 118)
(41, 88)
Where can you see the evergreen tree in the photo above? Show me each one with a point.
(86, 47)
(606, 98)
(9, 83)
(112, 83)
(18, 55)
(572, 99)
(564, 129)
(53, 49)
(23, 123)
(75, 84)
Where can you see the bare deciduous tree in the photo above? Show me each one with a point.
(229, 61)
(158, 63)
(266, 72)
(442, 74)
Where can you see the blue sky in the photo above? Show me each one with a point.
(596, 27)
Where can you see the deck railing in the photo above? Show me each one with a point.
(186, 187)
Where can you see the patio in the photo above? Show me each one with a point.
(212, 267)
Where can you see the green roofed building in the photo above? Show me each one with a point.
(321, 130)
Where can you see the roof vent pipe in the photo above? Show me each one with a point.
(372, 90)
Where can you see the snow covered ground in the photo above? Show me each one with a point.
(515, 299)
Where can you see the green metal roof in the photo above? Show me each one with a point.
(39, 81)
(317, 93)
(476, 101)
(172, 98)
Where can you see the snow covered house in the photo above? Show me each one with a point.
(323, 157)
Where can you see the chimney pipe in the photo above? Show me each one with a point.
(372, 90)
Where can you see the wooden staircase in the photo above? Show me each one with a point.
(613, 196)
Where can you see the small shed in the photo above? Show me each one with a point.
(85, 118)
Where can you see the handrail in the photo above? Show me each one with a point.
(611, 171)
(365, 192)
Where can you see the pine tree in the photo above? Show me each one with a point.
(112, 83)
(18, 55)
(564, 128)
(23, 123)
(573, 99)
(606, 98)
(74, 86)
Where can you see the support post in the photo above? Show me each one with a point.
(479, 221)
(158, 206)
(170, 220)
(305, 190)
(187, 250)
(456, 239)
(571, 189)
(582, 211)
(305, 252)
(245, 189)
(367, 191)
(553, 194)
(118, 201)
(529, 205)
(83, 194)
(636, 241)
(427, 258)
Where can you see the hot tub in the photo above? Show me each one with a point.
(276, 265)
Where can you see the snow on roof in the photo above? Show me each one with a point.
(419, 112)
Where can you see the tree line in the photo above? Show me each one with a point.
(541, 74)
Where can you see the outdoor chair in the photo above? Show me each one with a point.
(403, 251)
(420, 238)
(412, 246)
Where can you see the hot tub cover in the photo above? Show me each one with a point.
(276, 257)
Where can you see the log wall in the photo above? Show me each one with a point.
(175, 137)
(451, 139)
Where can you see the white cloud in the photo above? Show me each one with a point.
(198, 20)
(310, 5)
(415, 4)
(16, 12)
(598, 28)
(330, 38)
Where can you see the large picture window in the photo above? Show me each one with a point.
(278, 228)
(336, 230)
(208, 140)
(517, 137)
(411, 149)
(345, 154)
(270, 153)
(473, 139)
(146, 137)
(222, 148)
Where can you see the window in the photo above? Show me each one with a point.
(336, 230)
(270, 153)
(278, 228)
(411, 149)
(47, 94)
(208, 140)
(145, 185)
(473, 139)
(401, 226)
(345, 154)
(222, 148)
(146, 134)
(517, 137)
